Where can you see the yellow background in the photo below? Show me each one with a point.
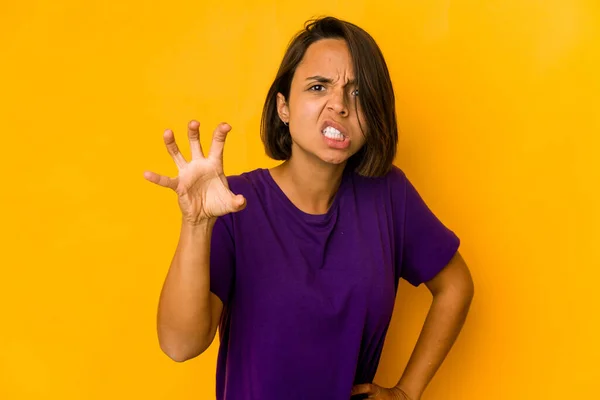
(498, 105)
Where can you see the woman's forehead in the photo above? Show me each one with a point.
(328, 58)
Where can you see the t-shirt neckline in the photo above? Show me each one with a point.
(312, 218)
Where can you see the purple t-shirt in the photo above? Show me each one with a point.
(308, 298)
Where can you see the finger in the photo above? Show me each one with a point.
(173, 149)
(160, 180)
(235, 202)
(194, 137)
(218, 142)
(375, 391)
(238, 203)
(362, 388)
(374, 395)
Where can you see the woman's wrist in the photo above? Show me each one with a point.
(407, 393)
(201, 226)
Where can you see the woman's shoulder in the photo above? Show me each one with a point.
(258, 180)
(392, 180)
(395, 174)
(247, 182)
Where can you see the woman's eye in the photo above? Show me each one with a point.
(355, 92)
(317, 88)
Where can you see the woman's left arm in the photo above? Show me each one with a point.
(452, 289)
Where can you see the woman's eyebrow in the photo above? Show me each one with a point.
(322, 79)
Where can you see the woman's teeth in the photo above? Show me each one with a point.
(332, 133)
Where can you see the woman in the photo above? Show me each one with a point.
(302, 282)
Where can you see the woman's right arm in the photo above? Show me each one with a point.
(188, 312)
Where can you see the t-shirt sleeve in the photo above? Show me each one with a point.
(222, 259)
(427, 245)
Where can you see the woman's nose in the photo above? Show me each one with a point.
(337, 103)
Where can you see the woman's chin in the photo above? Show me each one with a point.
(335, 160)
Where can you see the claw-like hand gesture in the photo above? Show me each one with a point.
(201, 185)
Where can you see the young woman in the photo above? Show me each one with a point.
(298, 265)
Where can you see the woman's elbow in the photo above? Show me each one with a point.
(181, 350)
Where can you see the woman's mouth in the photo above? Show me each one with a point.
(335, 139)
(331, 133)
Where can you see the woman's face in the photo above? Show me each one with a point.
(322, 109)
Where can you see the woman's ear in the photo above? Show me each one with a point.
(282, 108)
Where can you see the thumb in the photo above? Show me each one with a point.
(237, 203)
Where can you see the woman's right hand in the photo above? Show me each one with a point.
(201, 185)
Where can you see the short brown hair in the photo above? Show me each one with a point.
(376, 95)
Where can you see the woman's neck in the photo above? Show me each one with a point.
(310, 186)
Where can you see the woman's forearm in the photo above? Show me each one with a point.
(185, 323)
(444, 322)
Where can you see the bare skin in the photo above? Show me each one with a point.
(188, 313)
(322, 90)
